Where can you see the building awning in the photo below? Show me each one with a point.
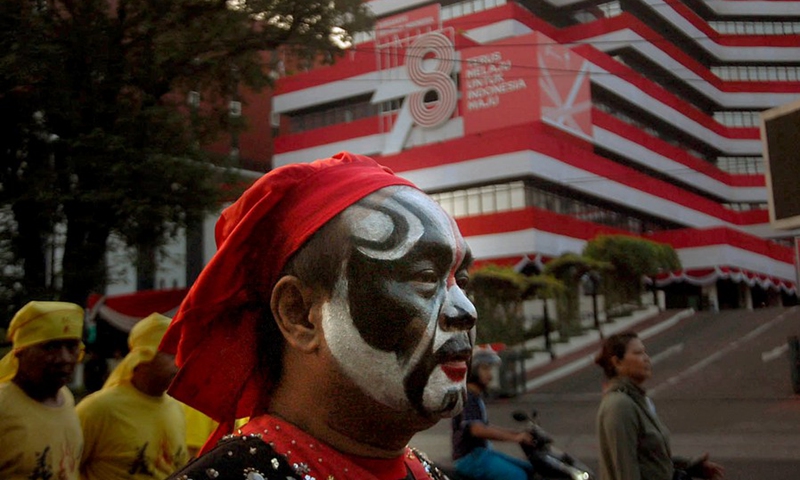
(123, 311)
(707, 276)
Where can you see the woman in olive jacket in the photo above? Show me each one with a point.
(634, 444)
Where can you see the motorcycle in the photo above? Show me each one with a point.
(549, 463)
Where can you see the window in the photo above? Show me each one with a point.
(758, 28)
(520, 194)
(761, 73)
(741, 165)
(467, 7)
(595, 12)
(460, 204)
(333, 114)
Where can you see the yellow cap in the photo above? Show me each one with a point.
(40, 322)
(143, 342)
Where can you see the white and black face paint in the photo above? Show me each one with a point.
(398, 322)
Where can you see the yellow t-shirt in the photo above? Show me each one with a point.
(198, 427)
(38, 441)
(131, 436)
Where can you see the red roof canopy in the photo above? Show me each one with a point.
(123, 311)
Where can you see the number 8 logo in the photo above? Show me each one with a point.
(437, 80)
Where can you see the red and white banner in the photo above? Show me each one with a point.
(123, 311)
(707, 276)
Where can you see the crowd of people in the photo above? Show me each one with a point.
(129, 429)
(334, 318)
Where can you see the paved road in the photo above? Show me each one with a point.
(721, 384)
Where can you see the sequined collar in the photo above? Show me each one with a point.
(314, 460)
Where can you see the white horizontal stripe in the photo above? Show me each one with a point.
(372, 144)
(521, 242)
(320, 94)
(753, 8)
(642, 155)
(765, 230)
(369, 145)
(503, 29)
(385, 7)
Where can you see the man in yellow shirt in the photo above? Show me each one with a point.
(40, 437)
(132, 429)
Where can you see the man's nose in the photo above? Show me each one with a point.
(66, 354)
(458, 312)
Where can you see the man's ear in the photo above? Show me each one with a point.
(294, 305)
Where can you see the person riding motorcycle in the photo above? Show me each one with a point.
(473, 455)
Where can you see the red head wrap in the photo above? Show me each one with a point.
(214, 343)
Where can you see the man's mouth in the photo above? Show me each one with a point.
(455, 370)
(63, 376)
(453, 357)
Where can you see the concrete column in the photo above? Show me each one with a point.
(747, 294)
(713, 296)
(662, 300)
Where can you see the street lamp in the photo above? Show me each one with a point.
(548, 343)
(594, 284)
(653, 279)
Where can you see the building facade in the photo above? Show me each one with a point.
(541, 124)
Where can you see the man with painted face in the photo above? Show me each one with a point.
(333, 314)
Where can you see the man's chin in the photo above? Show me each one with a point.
(451, 413)
(451, 405)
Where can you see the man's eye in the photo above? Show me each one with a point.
(426, 276)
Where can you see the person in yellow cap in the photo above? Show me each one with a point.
(40, 437)
(132, 429)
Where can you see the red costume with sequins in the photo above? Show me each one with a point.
(268, 448)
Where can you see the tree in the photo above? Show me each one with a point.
(570, 268)
(97, 140)
(544, 287)
(632, 259)
(498, 294)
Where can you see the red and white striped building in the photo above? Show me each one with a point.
(540, 124)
